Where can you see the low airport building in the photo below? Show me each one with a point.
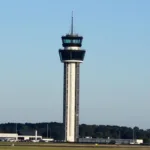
(110, 141)
(5, 136)
(15, 137)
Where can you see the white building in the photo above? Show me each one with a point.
(16, 137)
(29, 137)
(9, 136)
(109, 140)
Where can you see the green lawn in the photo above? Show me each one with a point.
(48, 146)
(65, 148)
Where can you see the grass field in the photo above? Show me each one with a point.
(58, 148)
(36, 146)
(65, 148)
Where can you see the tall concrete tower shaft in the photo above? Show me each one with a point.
(71, 55)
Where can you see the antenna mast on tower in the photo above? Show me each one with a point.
(72, 24)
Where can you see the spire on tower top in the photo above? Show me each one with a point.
(72, 24)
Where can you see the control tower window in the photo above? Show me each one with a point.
(67, 41)
(75, 41)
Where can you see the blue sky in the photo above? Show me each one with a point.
(115, 81)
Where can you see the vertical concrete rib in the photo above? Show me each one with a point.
(77, 101)
(65, 102)
(71, 105)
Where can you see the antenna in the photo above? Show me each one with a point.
(72, 24)
(16, 128)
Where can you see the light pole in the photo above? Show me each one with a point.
(47, 131)
(119, 134)
(50, 132)
(16, 128)
(133, 134)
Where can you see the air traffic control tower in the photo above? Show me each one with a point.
(71, 55)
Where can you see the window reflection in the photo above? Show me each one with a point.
(75, 41)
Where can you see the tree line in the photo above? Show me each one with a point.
(55, 130)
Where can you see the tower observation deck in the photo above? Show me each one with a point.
(71, 55)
